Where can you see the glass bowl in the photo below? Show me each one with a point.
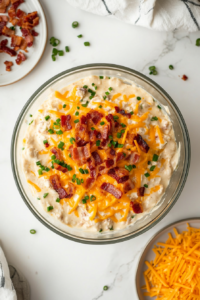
(178, 178)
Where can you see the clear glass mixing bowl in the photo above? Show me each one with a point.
(178, 178)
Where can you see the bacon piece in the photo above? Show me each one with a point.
(20, 58)
(92, 167)
(3, 5)
(119, 174)
(134, 158)
(46, 145)
(89, 183)
(80, 154)
(11, 13)
(95, 116)
(128, 186)
(81, 132)
(140, 191)
(143, 145)
(16, 3)
(23, 45)
(92, 136)
(97, 158)
(20, 13)
(30, 20)
(65, 122)
(130, 138)
(109, 163)
(184, 77)
(122, 112)
(136, 207)
(57, 153)
(34, 33)
(8, 64)
(110, 188)
(60, 168)
(112, 152)
(120, 156)
(2, 25)
(56, 184)
(16, 42)
(5, 49)
(8, 32)
(28, 37)
(104, 131)
(4, 18)
(70, 190)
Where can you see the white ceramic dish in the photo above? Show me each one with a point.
(34, 53)
(149, 255)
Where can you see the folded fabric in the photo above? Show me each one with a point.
(163, 15)
(7, 291)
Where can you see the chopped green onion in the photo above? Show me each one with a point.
(45, 195)
(155, 157)
(104, 97)
(40, 172)
(53, 57)
(110, 88)
(109, 145)
(32, 231)
(69, 155)
(78, 181)
(152, 168)
(74, 178)
(158, 106)
(152, 68)
(128, 168)
(12, 27)
(86, 171)
(61, 145)
(66, 49)
(102, 123)
(146, 185)
(120, 145)
(38, 163)
(133, 217)
(72, 140)
(98, 143)
(51, 131)
(38, 198)
(101, 230)
(87, 44)
(84, 201)
(123, 125)
(134, 166)
(60, 52)
(31, 116)
(131, 112)
(93, 84)
(95, 87)
(47, 118)
(107, 93)
(147, 174)
(138, 98)
(92, 128)
(76, 113)
(171, 67)
(92, 198)
(198, 42)
(115, 117)
(54, 51)
(64, 105)
(49, 208)
(75, 24)
(58, 200)
(86, 104)
(111, 228)
(30, 122)
(23, 148)
(59, 132)
(53, 157)
(154, 119)
(69, 167)
(81, 171)
(101, 77)
(100, 106)
(85, 86)
(79, 36)
(76, 121)
(105, 288)
(45, 142)
(119, 135)
(110, 137)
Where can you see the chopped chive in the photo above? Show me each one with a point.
(76, 121)
(119, 135)
(45, 142)
(86, 44)
(131, 112)
(53, 157)
(76, 113)
(133, 217)
(120, 145)
(23, 148)
(85, 86)
(111, 228)
(86, 171)
(66, 49)
(147, 174)
(81, 171)
(30, 122)
(78, 107)
(122, 131)
(51, 131)
(30, 116)
(123, 125)
(95, 87)
(146, 185)
(152, 168)
(155, 157)
(70, 155)
(110, 137)
(138, 98)
(107, 93)
(171, 67)
(152, 68)
(109, 145)
(115, 117)
(39, 172)
(75, 24)
(110, 88)
(92, 198)
(64, 105)
(80, 36)
(84, 201)
(47, 118)
(93, 84)
(154, 119)
(158, 106)
(98, 143)
(45, 195)
(72, 140)
(102, 123)
(69, 167)
(54, 51)
(61, 145)
(38, 198)
(86, 104)
(38, 163)
(33, 231)
(101, 230)
(58, 200)
(100, 106)
(104, 97)
(74, 178)
(101, 77)
(60, 52)
(134, 166)
(59, 132)
(53, 57)
(198, 42)
(105, 287)
(128, 168)
(78, 181)
(92, 128)
(49, 208)
(12, 27)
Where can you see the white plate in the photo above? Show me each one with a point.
(34, 53)
(149, 255)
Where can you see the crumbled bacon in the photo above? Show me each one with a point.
(92, 167)
(28, 36)
(4, 18)
(80, 154)
(95, 116)
(2, 25)
(122, 112)
(110, 188)
(16, 3)
(128, 186)
(3, 5)
(20, 13)
(89, 183)
(140, 191)
(119, 174)
(5, 49)
(12, 13)
(130, 138)
(20, 58)
(8, 64)
(70, 190)
(46, 145)
(56, 184)
(30, 20)
(134, 158)
(60, 168)
(184, 77)
(143, 145)
(97, 158)
(112, 152)
(16, 42)
(57, 153)
(81, 132)
(136, 207)
(8, 32)
(104, 131)
(109, 163)
(120, 156)
(65, 122)
(34, 33)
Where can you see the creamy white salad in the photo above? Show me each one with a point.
(99, 154)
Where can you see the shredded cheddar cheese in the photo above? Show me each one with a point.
(174, 274)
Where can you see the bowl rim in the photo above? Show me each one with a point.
(183, 177)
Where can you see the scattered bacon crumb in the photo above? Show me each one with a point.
(5, 49)
(60, 168)
(20, 58)
(3, 5)
(57, 153)
(140, 191)
(46, 145)
(8, 32)
(184, 77)
(136, 207)
(143, 145)
(65, 122)
(56, 184)
(8, 64)
(110, 188)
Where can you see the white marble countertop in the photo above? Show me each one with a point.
(55, 267)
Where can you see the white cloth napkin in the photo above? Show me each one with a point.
(163, 15)
(7, 291)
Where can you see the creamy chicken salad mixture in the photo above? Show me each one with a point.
(99, 154)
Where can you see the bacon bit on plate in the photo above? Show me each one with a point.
(136, 207)
(60, 168)
(20, 58)
(57, 153)
(8, 32)
(20, 13)
(8, 64)
(2, 25)
(34, 33)
(80, 154)
(140, 191)
(65, 122)
(5, 49)
(28, 36)
(184, 77)
(16, 42)
(3, 5)
(110, 188)
(143, 145)
(56, 184)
